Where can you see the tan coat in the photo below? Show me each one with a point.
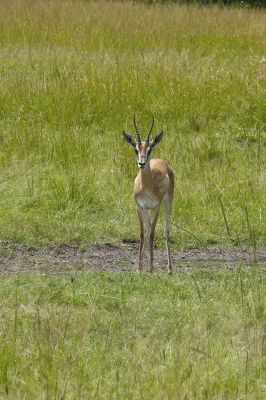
(153, 183)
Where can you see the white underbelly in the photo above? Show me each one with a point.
(147, 202)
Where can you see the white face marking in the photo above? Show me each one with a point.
(142, 157)
(142, 161)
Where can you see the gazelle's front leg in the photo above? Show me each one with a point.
(153, 225)
(145, 229)
(141, 252)
(168, 205)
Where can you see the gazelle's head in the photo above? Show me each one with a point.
(143, 149)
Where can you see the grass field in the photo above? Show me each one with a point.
(72, 75)
(125, 336)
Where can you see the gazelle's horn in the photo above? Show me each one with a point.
(136, 129)
(148, 136)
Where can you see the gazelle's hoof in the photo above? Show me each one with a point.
(170, 270)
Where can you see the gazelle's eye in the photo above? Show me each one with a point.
(136, 151)
(148, 151)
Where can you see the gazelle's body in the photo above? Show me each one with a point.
(154, 184)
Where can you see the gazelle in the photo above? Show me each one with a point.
(154, 184)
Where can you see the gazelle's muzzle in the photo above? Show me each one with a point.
(142, 162)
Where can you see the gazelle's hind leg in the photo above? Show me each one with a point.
(168, 207)
(145, 230)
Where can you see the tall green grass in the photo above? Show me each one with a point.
(124, 336)
(72, 75)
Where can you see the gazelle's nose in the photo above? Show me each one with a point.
(142, 165)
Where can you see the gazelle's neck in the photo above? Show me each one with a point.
(146, 175)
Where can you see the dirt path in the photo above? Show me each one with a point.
(64, 259)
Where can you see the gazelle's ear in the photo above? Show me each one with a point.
(129, 139)
(156, 140)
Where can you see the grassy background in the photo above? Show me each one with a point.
(125, 336)
(72, 75)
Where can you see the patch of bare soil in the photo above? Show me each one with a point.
(70, 259)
